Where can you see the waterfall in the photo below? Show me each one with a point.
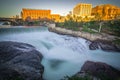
(63, 55)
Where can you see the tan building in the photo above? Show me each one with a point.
(82, 10)
(38, 14)
(55, 17)
(106, 12)
(35, 13)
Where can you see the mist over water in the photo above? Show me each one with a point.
(63, 55)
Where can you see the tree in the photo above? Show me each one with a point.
(86, 18)
(68, 17)
(28, 19)
(74, 17)
(79, 18)
(98, 17)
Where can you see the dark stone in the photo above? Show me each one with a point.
(104, 45)
(100, 70)
(94, 45)
(55, 64)
(20, 60)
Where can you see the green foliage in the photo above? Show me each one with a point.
(69, 24)
(59, 24)
(109, 27)
(115, 26)
(93, 25)
(112, 27)
(86, 28)
(37, 22)
(77, 78)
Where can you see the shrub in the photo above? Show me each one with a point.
(77, 78)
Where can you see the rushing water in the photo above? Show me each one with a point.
(63, 55)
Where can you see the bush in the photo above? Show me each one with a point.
(69, 24)
(109, 27)
(77, 78)
(87, 29)
(59, 24)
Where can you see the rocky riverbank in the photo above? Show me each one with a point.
(20, 61)
(104, 45)
(82, 34)
(102, 41)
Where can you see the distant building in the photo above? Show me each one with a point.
(35, 14)
(55, 17)
(106, 12)
(82, 10)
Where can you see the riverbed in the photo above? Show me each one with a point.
(64, 55)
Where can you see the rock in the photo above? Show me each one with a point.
(99, 70)
(55, 64)
(20, 60)
(104, 45)
(94, 45)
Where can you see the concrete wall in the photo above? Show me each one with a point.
(82, 34)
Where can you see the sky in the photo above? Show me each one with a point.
(10, 8)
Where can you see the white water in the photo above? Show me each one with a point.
(63, 55)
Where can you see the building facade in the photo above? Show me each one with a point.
(35, 14)
(55, 17)
(82, 10)
(106, 12)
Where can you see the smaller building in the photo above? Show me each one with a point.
(55, 17)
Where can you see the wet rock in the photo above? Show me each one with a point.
(104, 45)
(55, 64)
(20, 60)
(99, 70)
(94, 45)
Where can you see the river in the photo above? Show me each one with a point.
(63, 55)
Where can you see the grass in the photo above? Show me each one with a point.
(86, 29)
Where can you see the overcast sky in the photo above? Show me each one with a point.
(13, 7)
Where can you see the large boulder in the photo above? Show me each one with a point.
(20, 60)
(100, 70)
(104, 45)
